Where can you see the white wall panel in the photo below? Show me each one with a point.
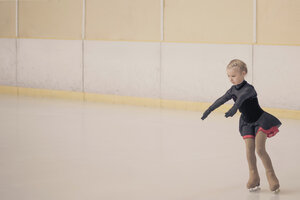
(50, 64)
(276, 76)
(8, 62)
(122, 68)
(186, 71)
(197, 72)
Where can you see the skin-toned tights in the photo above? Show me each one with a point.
(258, 143)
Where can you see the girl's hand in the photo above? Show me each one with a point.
(231, 112)
(205, 114)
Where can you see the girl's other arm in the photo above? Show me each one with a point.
(249, 92)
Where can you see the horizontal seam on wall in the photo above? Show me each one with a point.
(156, 41)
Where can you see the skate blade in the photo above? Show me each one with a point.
(276, 191)
(254, 189)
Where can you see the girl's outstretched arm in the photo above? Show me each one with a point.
(220, 101)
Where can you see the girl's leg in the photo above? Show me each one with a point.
(253, 173)
(260, 142)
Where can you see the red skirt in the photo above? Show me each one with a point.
(270, 132)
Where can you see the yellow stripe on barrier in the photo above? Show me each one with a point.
(9, 90)
(284, 113)
(42, 93)
(8, 37)
(137, 101)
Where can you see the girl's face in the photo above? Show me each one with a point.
(235, 76)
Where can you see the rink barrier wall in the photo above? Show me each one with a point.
(175, 71)
(135, 101)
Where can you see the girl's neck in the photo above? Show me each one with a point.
(241, 84)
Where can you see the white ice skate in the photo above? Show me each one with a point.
(276, 191)
(254, 189)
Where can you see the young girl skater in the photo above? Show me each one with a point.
(255, 124)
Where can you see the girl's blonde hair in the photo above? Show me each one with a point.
(240, 65)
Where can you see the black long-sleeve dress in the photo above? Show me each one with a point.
(253, 118)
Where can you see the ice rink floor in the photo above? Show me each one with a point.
(63, 150)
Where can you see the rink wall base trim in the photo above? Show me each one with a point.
(136, 101)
